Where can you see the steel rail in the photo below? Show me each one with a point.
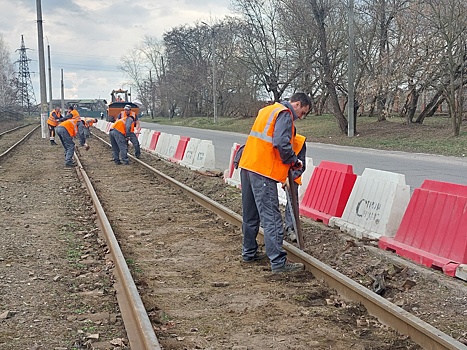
(19, 142)
(422, 333)
(140, 332)
(11, 130)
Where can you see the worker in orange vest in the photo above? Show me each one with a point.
(128, 113)
(87, 123)
(118, 139)
(299, 147)
(52, 122)
(66, 131)
(71, 113)
(267, 157)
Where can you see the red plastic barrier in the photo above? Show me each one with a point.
(154, 139)
(230, 170)
(433, 229)
(180, 151)
(328, 191)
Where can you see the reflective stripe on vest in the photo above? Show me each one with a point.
(259, 155)
(264, 135)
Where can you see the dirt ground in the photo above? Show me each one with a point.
(56, 287)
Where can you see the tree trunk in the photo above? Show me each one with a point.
(319, 14)
(431, 107)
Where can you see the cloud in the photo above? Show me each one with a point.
(87, 38)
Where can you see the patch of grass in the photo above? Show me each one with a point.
(133, 266)
(89, 328)
(433, 137)
(73, 253)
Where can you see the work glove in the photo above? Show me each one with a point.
(297, 165)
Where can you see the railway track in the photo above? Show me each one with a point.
(185, 263)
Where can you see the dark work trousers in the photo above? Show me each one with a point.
(261, 206)
(134, 141)
(87, 132)
(119, 146)
(67, 142)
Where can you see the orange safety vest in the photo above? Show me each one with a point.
(132, 115)
(259, 155)
(52, 120)
(88, 122)
(120, 125)
(71, 125)
(297, 145)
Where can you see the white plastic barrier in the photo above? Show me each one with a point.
(306, 176)
(99, 124)
(205, 158)
(171, 147)
(162, 144)
(461, 272)
(190, 152)
(147, 142)
(143, 137)
(235, 179)
(107, 127)
(376, 205)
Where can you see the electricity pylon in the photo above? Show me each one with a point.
(26, 97)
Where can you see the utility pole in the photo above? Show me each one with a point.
(351, 87)
(50, 80)
(27, 99)
(62, 90)
(40, 39)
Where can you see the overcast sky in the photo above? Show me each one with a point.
(87, 38)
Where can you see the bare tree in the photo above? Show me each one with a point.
(186, 69)
(265, 46)
(321, 10)
(8, 95)
(448, 18)
(135, 65)
(302, 51)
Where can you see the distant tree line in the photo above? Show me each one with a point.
(410, 58)
(8, 83)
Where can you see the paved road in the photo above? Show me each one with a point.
(416, 167)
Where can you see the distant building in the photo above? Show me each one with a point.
(86, 107)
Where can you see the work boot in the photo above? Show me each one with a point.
(53, 143)
(257, 257)
(70, 164)
(289, 267)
